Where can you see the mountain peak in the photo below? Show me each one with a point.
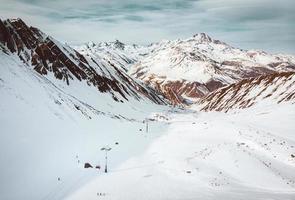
(203, 37)
(90, 44)
(15, 20)
(118, 44)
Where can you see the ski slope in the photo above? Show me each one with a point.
(237, 155)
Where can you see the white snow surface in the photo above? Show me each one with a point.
(238, 155)
(50, 129)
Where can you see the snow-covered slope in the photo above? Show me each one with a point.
(58, 109)
(48, 131)
(247, 155)
(186, 69)
(268, 89)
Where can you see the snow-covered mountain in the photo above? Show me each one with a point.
(116, 52)
(52, 59)
(267, 89)
(184, 70)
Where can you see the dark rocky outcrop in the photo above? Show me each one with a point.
(279, 87)
(87, 165)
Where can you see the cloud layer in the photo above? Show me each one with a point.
(260, 24)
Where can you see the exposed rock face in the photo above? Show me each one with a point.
(48, 56)
(179, 92)
(185, 70)
(278, 87)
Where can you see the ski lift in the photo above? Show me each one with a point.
(106, 149)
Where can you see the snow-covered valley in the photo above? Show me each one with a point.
(247, 155)
(49, 131)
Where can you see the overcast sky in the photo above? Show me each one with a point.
(249, 24)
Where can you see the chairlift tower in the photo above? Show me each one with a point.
(106, 149)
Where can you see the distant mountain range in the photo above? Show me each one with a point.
(178, 72)
(184, 70)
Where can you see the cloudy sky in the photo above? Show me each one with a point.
(258, 24)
